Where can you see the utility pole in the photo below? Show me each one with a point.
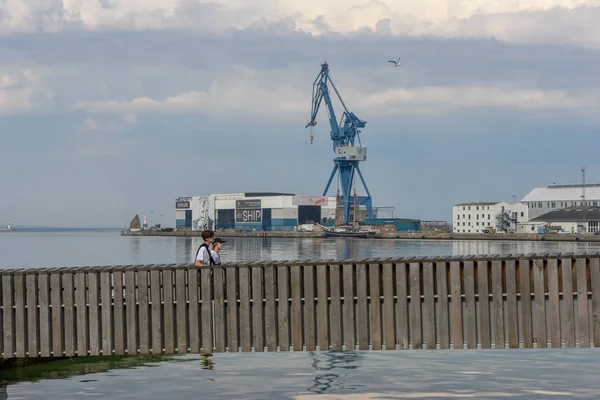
(583, 202)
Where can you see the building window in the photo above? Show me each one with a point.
(477, 208)
(463, 208)
(477, 216)
(458, 216)
(522, 214)
(469, 216)
(489, 216)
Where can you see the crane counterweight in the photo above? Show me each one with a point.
(347, 155)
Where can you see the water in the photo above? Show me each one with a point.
(489, 374)
(62, 248)
(520, 374)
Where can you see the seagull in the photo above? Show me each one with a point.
(396, 63)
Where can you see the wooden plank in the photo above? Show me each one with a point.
(119, 312)
(296, 284)
(498, 304)
(270, 308)
(194, 309)
(442, 314)
(348, 308)
(81, 313)
(568, 306)
(257, 309)
(32, 315)
(335, 281)
(429, 306)
(484, 305)
(375, 281)
(169, 310)
(180, 311)
(554, 311)
(389, 321)
(207, 308)
(512, 316)
(57, 325)
(402, 308)
(309, 308)
(525, 289)
(362, 310)
(323, 307)
(582, 302)
(20, 315)
(220, 327)
(107, 314)
(415, 306)
(144, 312)
(93, 312)
(456, 324)
(540, 304)
(245, 316)
(156, 311)
(283, 307)
(8, 315)
(470, 320)
(69, 313)
(595, 287)
(232, 310)
(131, 311)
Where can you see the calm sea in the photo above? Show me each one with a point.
(348, 375)
(61, 248)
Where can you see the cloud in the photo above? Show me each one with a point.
(20, 90)
(568, 21)
(105, 137)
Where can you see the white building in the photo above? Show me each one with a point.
(542, 200)
(481, 217)
(257, 211)
(569, 220)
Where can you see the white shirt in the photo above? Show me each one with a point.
(203, 256)
(216, 257)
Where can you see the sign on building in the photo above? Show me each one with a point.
(247, 204)
(248, 215)
(182, 204)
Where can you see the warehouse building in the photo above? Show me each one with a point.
(542, 200)
(483, 217)
(256, 211)
(567, 220)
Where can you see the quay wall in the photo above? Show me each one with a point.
(466, 302)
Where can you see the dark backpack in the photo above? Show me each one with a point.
(211, 261)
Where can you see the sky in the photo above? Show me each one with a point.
(112, 108)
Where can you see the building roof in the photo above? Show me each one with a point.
(570, 214)
(266, 194)
(564, 193)
(478, 203)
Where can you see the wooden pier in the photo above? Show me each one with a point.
(533, 300)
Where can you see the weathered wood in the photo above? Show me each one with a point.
(416, 334)
(582, 302)
(525, 290)
(402, 306)
(512, 316)
(484, 305)
(568, 328)
(456, 319)
(498, 303)
(541, 338)
(356, 304)
(335, 279)
(554, 311)
(389, 322)
(362, 310)
(375, 311)
(309, 308)
(442, 314)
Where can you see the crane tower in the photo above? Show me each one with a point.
(347, 155)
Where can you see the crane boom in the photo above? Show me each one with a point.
(343, 136)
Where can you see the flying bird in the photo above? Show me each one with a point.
(396, 63)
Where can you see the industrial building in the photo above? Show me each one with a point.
(258, 211)
(567, 220)
(482, 217)
(542, 200)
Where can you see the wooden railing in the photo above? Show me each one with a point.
(534, 300)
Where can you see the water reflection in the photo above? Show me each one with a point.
(334, 380)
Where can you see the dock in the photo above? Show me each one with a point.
(471, 302)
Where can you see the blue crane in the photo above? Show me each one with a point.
(346, 154)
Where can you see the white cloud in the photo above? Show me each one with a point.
(571, 21)
(20, 90)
